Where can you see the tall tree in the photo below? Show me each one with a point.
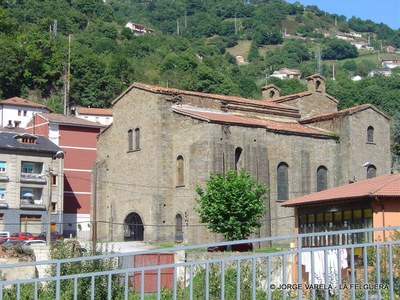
(231, 204)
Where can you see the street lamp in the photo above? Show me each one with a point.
(364, 165)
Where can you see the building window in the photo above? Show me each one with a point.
(25, 113)
(2, 193)
(19, 112)
(283, 181)
(27, 168)
(336, 221)
(238, 153)
(370, 134)
(180, 177)
(17, 124)
(178, 228)
(371, 171)
(54, 179)
(322, 178)
(27, 193)
(3, 166)
(137, 139)
(130, 140)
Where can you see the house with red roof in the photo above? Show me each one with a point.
(16, 112)
(98, 115)
(78, 139)
(369, 203)
(164, 142)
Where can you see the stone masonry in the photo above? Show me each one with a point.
(184, 136)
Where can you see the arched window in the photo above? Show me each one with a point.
(238, 153)
(130, 140)
(317, 85)
(137, 139)
(180, 177)
(322, 178)
(370, 134)
(283, 181)
(178, 228)
(271, 94)
(371, 171)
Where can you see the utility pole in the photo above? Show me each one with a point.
(48, 231)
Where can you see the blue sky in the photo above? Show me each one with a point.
(379, 11)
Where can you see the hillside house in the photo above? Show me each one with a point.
(138, 29)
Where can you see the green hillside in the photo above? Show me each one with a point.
(193, 47)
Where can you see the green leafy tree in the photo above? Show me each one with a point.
(231, 205)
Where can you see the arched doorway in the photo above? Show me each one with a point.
(133, 228)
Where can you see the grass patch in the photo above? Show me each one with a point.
(242, 48)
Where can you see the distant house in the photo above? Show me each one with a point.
(389, 49)
(16, 112)
(138, 29)
(344, 37)
(382, 71)
(370, 203)
(391, 64)
(286, 73)
(359, 45)
(240, 60)
(103, 116)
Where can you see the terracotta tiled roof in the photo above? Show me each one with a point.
(94, 111)
(382, 186)
(22, 102)
(344, 112)
(227, 118)
(66, 120)
(159, 89)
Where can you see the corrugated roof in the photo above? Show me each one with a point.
(8, 141)
(381, 186)
(23, 102)
(94, 111)
(227, 118)
(67, 120)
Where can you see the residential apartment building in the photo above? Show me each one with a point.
(78, 139)
(31, 183)
(16, 112)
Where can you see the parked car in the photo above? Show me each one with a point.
(245, 247)
(18, 236)
(55, 235)
(32, 242)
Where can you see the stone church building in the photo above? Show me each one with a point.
(164, 142)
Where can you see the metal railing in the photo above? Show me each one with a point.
(351, 271)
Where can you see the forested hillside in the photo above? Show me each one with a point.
(187, 50)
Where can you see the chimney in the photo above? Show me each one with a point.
(270, 91)
(316, 83)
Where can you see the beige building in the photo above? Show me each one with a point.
(31, 183)
(164, 142)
